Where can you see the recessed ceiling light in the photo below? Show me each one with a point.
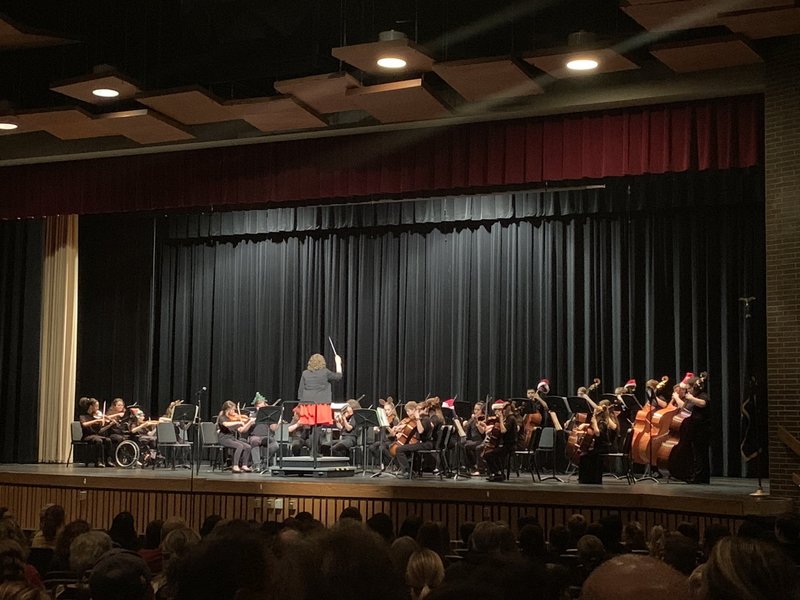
(6, 126)
(582, 64)
(391, 62)
(105, 93)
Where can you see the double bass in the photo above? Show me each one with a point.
(645, 433)
(675, 453)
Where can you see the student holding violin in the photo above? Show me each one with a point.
(92, 421)
(501, 439)
(346, 423)
(420, 436)
(598, 439)
(231, 422)
(475, 430)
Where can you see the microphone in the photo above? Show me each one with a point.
(201, 390)
(747, 300)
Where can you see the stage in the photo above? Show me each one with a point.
(98, 494)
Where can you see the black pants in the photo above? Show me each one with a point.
(700, 447)
(472, 453)
(342, 447)
(496, 461)
(404, 451)
(102, 447)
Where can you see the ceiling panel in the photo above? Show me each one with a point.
(326, 93)
(554, 64)
(190, 107)
(82, 88)
(490, 78)
(770, 22)
(674, 15)
(365, 56)
(142, 126)
(13, 35)
(702, 55)
(275, 114)
(71, 124)
(399, 101)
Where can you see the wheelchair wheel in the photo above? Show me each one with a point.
(127, 454)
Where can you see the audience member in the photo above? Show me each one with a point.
(680, 552)
(86, 549)
(434, 536)
(401, 550)
(123, 531)
(787, 533)
(633, 537)
(60, 560)
(19, 590)
(576, 525)
(51, 522)
(208, 524)
(120, 575)
(381, 523)
(712, 534)
(742, 568)
(634, 577)
(151, 550)
(351, 512)
(425, 572)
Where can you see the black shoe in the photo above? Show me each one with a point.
(111, 463)
(99, 465)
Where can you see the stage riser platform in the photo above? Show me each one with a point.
(98, 497)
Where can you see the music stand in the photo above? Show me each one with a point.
(269, 416)
(463, 409)
(366, 418)
(184, 416)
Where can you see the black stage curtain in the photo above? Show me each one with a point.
(115, 350)
(20, 324)
(472, 295)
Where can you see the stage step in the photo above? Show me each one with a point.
(327, 466)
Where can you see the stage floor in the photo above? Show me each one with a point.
(724, 496)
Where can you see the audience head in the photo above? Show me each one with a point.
(490, 538)
(381, 523)
(465, 531)
(633, 577)
(120, 575)
(12, 561)
(611, 534)
(591, 550)
(152, 534)
(10, 530)
(178, 542)
(680, 552)
(690, 530)
(633, 536)
(400, 551)
(531, 541)
(559, 539)
(576, 525)
(172, 524)
(748, 569)
(86, 549)
(787, 529)
(351, 512)
(712, 534)
(410, 525)
(19, 590)
(208, 524)
(425, 571)
(123, 531)
(51, 520)
(67, 535)
(434, 536)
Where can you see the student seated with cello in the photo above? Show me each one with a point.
(417, 433)
(231, 422)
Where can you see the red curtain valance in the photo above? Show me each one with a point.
(710, 134)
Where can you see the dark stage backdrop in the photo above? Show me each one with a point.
(471, 295)
(20, 324)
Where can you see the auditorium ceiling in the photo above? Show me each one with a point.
(201, 73)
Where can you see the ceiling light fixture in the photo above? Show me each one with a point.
(583, 43)
(105, 93)
(582, 64)
(7, 125)
(391, 60)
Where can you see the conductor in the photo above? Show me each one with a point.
(314, 391)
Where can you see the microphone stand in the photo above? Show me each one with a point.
(196, 449)
(752, 396)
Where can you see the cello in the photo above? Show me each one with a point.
(407, 429)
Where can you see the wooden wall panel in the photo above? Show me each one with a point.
(98, 506)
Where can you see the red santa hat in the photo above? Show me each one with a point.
(544, 383)
(499, 404)
(686, 378)
(631, 382)
(449, 403)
